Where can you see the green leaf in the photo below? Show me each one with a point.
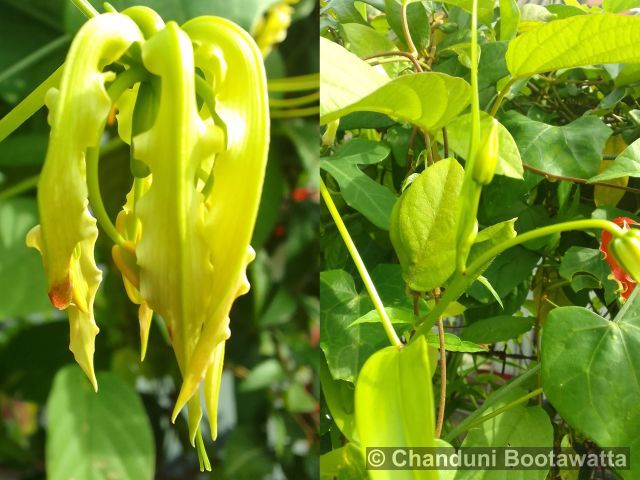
(580, 260)
(263, 375)
(417, 19)
(394, 404)
(453, 343)
(616, 6)
(573, 42)
(487, 284)
(364, 41)
(497, 329)
(344, 10)
(338, 68)
(423, 226)
(505, 273)
(397, 315)
(509, 19)
(345, 348)
(338, 395)
(299, 400)
(509, 161)
(517, 427)
(344, 463)
(573, 150)
(590, 374)
(359, 191)
(23, 288)
(428, 100)
(97, 436)
(485, 8)
(625, 164)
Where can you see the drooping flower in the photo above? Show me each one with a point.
(617, 265)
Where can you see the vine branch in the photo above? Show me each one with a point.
(578, 180)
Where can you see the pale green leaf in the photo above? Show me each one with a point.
(509, 162)
(97, 436)
(487, 284)
(394, 405)
(575, 41)
(453, 343)
(423, 226)
(364, 41)
(625, 164)
(509, 19)
(615, 6)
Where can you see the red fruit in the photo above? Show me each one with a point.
(300, 194)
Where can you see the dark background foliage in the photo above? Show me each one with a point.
(268, 406)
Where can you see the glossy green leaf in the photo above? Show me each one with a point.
(509, 19)
(97, 436)
(600, 398)
(338, 69)
(346, 348)
(485, 8)
(573, 150)
(344, 10)
(573, 42)
(417, 19)
(625, 164)
(509, 162)
(344, 463)
(359, 191)
(423, 226)
(497, 329)
(428, 100)
(394, 405)
(23, 287)
(453, 343)
(517, 427)
(586, 268)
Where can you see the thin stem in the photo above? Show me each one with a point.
(475, 98)
(579, 180)
(445, 142)
(294, 102)
(362, 269)
(35, 57)
(462, 280)
(97, 206)
(86, 8)
(405, 29)
(30, 105)
(20, 187)
(443, 379)
(295, 112)
(501, 410)
(397, 53)
(310, 81)
(203, 458)
(503, 93)
(504, 391)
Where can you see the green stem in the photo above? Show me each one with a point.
(295, 112)
(124, 81)
(503, 93)
(501, 410)
(86, 8)
(93, 185)
(20, 187)
(362, 269)
(35, 57)
(461, 280)
(405, 29)
(294, 102)
(310, 81)
(30, 105)
(203, 459)
(495, 397)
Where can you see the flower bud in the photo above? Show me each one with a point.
(484, 166)
(626, 251)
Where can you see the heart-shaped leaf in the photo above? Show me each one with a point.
(590, 374)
